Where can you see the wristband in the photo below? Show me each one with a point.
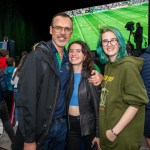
(114, 133)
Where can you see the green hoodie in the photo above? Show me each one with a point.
(122, 87)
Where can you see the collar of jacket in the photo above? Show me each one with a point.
(46, 49)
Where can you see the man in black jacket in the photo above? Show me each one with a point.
(42, 84)
(138, 36)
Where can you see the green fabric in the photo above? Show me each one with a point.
(97, 68)
(122, 87)
(59, 60)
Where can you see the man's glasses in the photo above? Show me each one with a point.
(113, 42)
(59, 29)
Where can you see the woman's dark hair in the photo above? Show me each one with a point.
(88, 63)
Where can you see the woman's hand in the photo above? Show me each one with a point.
(110, 135)
(97, 141)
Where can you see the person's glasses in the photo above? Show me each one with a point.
(113, 42)
(59, 29)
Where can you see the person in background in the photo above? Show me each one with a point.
(3, 57)
(123, 94)
(8, 73)
(14, 82)
(42, 85)
(129, 47)
(146, 77)
(4, 115)
(83, 99)
(138, 36)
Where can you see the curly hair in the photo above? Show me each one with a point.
(88, 63)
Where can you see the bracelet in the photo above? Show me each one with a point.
(114, 133)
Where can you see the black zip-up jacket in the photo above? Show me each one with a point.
(88, 96)
(39, 88)
(3, 87)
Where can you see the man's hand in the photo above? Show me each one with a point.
(96, 78)
(30, 146)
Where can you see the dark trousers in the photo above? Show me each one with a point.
(6, 121)
(9, 101)
(147, 123)
(139, 46)
(19, 141)
(74, 139)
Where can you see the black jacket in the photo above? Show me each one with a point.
(39, 88)
(88, 96)
(3, 87)
(138, 37)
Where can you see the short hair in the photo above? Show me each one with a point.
(10, 61)
(63, 14)
(122, 50)
(3, 53)
(138, 23)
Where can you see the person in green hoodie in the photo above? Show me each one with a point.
(123, 94)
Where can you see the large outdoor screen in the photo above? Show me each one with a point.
(88, 21)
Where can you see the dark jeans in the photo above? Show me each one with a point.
(147, 124)
(74, 139)
(56, 139)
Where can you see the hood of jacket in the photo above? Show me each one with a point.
(135, 60)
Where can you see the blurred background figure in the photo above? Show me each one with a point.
(146, 78)
(14, 82)
(8, 73)
(138, 36)
(4, 116)
(4, 46)
(9, 45)
(3, 56)
(129, 47)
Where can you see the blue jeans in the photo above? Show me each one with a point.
(56, 139)
(15, 99)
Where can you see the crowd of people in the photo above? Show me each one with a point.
(7, 94)
(61, 100)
